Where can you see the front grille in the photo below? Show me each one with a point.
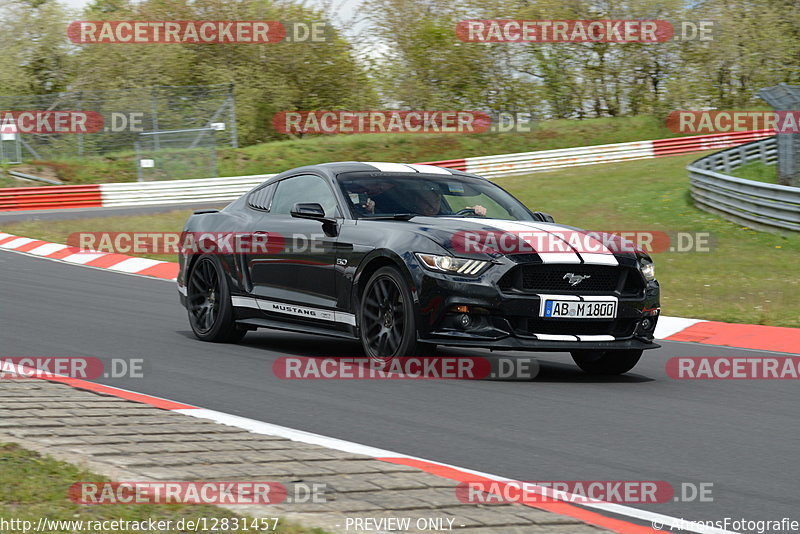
(555, 278)
(599, 278)
(543, 278)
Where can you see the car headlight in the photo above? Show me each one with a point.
(648, 269)
(450, 264)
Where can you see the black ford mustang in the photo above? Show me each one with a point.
(402, 257)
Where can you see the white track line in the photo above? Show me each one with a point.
(269, 429)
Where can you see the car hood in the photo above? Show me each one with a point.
(554, 243)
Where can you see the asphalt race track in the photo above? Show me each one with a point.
(739, 435)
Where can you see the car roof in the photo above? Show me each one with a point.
(339, 167)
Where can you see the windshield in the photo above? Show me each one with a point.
(428, 195)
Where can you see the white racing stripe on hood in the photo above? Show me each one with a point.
(518, 226)
(389, 167)
(599, 259)
(605, 257)
(430, 169)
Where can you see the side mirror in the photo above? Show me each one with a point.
(314, 211)
(308, 210)
(544, 217)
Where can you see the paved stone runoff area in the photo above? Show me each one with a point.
(129, 441)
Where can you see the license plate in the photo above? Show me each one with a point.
(572, 309)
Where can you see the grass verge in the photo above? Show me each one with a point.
(60, 231)
(34, 486)
(755, 170)
(748, 277)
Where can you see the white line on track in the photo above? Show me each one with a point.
(260, 427)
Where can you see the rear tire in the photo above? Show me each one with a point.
(386, 317)
(606, 362)
(208, 301)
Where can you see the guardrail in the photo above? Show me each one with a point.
(227, 189)
(45, 198)
(178, 191)
(545, 160)
(759, 205)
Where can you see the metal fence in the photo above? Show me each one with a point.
(758, 205)
(126, 113)
(168, 154)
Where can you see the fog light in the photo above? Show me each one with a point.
(647, 324)
(465, 320)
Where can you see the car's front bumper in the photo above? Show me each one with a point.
(529, 344)
(510, 320)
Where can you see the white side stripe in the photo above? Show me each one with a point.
(291, 309)
(298, 311)
(344, 317)
(244, 302)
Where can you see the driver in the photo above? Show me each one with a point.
(428, 202)
(380, 198)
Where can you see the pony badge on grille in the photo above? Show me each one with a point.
(575, 279)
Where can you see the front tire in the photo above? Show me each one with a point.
(386, 317)
(606, 362)
(208, 300)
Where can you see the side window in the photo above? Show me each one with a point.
(303, 188)
(259, 199)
